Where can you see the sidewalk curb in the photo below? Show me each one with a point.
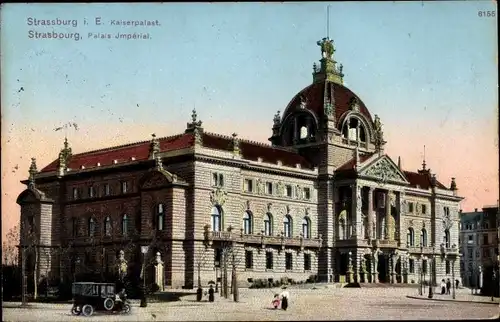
(443, 300)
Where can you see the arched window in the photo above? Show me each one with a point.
(306, 227)
(423, 237)
(247, 223)
(107, 226)
(304, 132)
(268, 224)
(410, 237)
(287, 226)
(354, 130)
(447, 238)
(216, 218)
(91, 227)
(125, 225)
(160, 217)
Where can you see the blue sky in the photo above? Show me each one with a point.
(422, 59)
(428, 69)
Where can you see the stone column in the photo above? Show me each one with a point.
(375, 266)
(349, 268)
(363, 269)
(370, 215)
(387, 215)
(356, 209)
(393, 268)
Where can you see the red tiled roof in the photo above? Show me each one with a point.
(315, 94)
(138, 150)
(421, 179)
(253, 150)
(349, 165)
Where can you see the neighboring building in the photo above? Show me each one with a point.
(479, 246)
(322, 199)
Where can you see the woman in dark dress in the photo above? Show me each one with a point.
(284, 298)
(211, 294)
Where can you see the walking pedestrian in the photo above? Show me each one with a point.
(448, 287)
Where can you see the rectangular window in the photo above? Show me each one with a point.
(411, 264)
(269, 188)
(288, 261)
(448, 267)
(124, 187)
(307, 262)
(424, 209)
(248, 259)
(424, 267)
(75, 193)
(269, 260)
(91, 192)
(307, 193)
(248, 185)
(486, 253)
(470, 252)
(289, 191)
(221, 180)
(478, 254)
(410, 207)
(106, 190)
(485, 239)
(215, 179)
(471, 239)
(74, 226)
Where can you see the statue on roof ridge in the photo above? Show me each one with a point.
(327, 48)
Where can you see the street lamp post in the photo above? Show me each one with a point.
(432, 266)
(421, 269)
(144, 250)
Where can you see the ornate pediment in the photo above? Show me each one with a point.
(383, 170)
(157, 179)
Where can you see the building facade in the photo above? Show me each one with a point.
(322, 199)
(479, 246)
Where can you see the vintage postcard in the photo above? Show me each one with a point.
(250, 161)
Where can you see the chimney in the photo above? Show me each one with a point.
(399, 163)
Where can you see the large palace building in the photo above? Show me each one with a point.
(322, 199)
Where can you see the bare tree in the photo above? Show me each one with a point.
(202, 258)
(230, 256)
(9, 247)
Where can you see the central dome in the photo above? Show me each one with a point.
(313, 99)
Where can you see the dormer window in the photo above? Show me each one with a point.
(354, 130)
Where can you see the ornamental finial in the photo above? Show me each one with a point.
(32, 172)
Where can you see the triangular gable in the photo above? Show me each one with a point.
(382, 168)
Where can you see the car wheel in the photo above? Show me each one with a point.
(75, 310)
(87, 310)
(109, 303)
(126, 308)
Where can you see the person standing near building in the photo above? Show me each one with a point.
(211, 293)
(285, 297)
(448, 287)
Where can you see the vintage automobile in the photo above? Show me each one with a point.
(89, 297)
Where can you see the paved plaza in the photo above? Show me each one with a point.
(306, 304)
